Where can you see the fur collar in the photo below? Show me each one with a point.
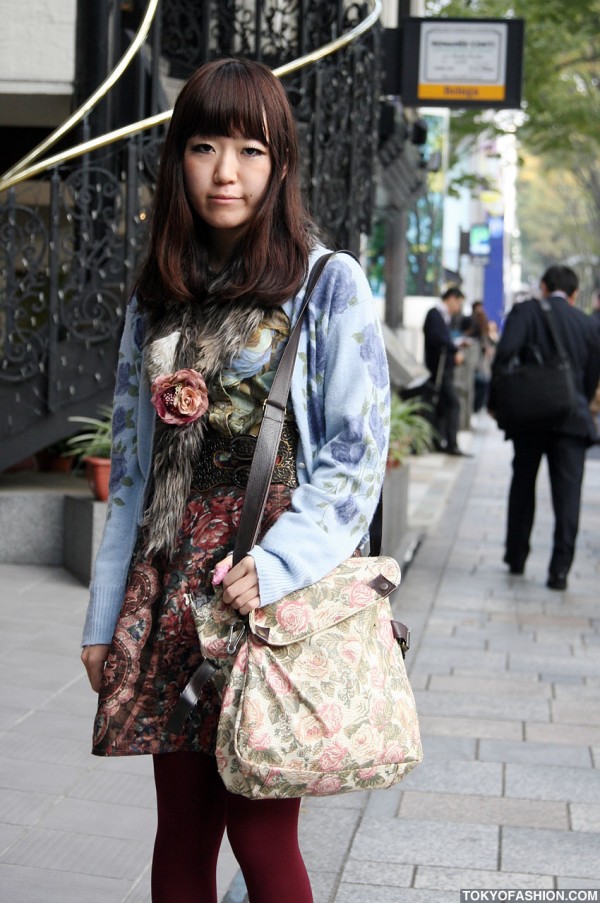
(205, 337)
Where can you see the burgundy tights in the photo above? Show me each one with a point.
(194, 808)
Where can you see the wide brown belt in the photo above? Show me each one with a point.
(225, 461)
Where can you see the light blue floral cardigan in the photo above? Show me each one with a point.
(340, 396)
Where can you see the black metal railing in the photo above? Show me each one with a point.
(71, 239)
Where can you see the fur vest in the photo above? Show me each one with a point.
(204, 337)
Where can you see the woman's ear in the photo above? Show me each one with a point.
(284, 172)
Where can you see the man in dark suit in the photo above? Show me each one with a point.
(565, 443)
(441, 356)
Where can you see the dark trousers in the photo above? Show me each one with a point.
(566, 460)
(447, 414)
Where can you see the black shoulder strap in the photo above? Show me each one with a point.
(549, 318)
(267, 442)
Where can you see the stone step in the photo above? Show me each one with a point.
(49, 519)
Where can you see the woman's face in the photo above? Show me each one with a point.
(225, 181)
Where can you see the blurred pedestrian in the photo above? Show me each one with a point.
(442, 355)
(478, 329)
(565, 443)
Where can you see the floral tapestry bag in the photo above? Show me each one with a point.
(315, 695)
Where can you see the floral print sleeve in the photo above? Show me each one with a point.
(345, 398)
(126, 490)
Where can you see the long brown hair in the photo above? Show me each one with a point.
(229, 97)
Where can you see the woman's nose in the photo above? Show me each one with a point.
(225, 168)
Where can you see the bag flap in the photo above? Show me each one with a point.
(351, 587)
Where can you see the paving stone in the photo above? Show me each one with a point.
(18, 807)
(321, 825)
(350, 893)
(37, 885)
(377, 874)
(581, 665)
(568, 712)
(9, 834)
(448, 726)
(575, 785)
(453, 808)
(322, 884)
(20, 697)
(568, 755)
(141, 890)
(357, 800)
(426, 843)
(560, 852)
(481, 778)
(16, 774)
(442, 660)
(9, 717)
(567, 883)
(44, 724)
(383, 803)
(479, 705)
(444, 748)
(463, 879)
(84, 854)
(585, 817)
(62, 750)
(114, 787)
(503, 687)
(432, 642)
(575, 734)
(106, 819)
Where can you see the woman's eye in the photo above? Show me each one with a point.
(200, 147)
(254, 152)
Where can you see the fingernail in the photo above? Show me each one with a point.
(219, 573)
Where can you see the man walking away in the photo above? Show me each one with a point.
(442, 352)
(565, 443)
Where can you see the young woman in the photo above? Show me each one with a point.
(230, 248)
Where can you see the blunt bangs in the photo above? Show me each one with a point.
(225, 100)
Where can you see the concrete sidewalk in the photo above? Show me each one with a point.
(507, 679)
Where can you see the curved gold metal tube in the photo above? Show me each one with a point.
(92, 100)
(14, 177)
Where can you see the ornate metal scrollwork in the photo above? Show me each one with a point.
(68, 262)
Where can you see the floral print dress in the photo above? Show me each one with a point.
(155, 647)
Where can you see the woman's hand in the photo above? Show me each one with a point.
(94, 659)
(240, 584)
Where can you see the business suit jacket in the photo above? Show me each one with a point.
(437, 338)
(526, 325)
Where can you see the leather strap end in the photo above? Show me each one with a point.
(189, 697)
(402, 634)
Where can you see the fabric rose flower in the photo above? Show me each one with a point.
(180, 398)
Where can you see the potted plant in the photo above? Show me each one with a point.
(410, 434)
(92, 446)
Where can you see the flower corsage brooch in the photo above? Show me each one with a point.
(180, 398)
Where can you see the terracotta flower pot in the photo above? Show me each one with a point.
(97, 472)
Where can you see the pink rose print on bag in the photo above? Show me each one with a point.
(259, 739)
(332, 758)
(308, 729)
(330, 716)
(180, 397)
(325, 786)
(360, 594)
(351, 652)
(393, 753)
(293, 616)
(278, 681)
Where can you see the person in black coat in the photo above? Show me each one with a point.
(565, 443)
(441, 356)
